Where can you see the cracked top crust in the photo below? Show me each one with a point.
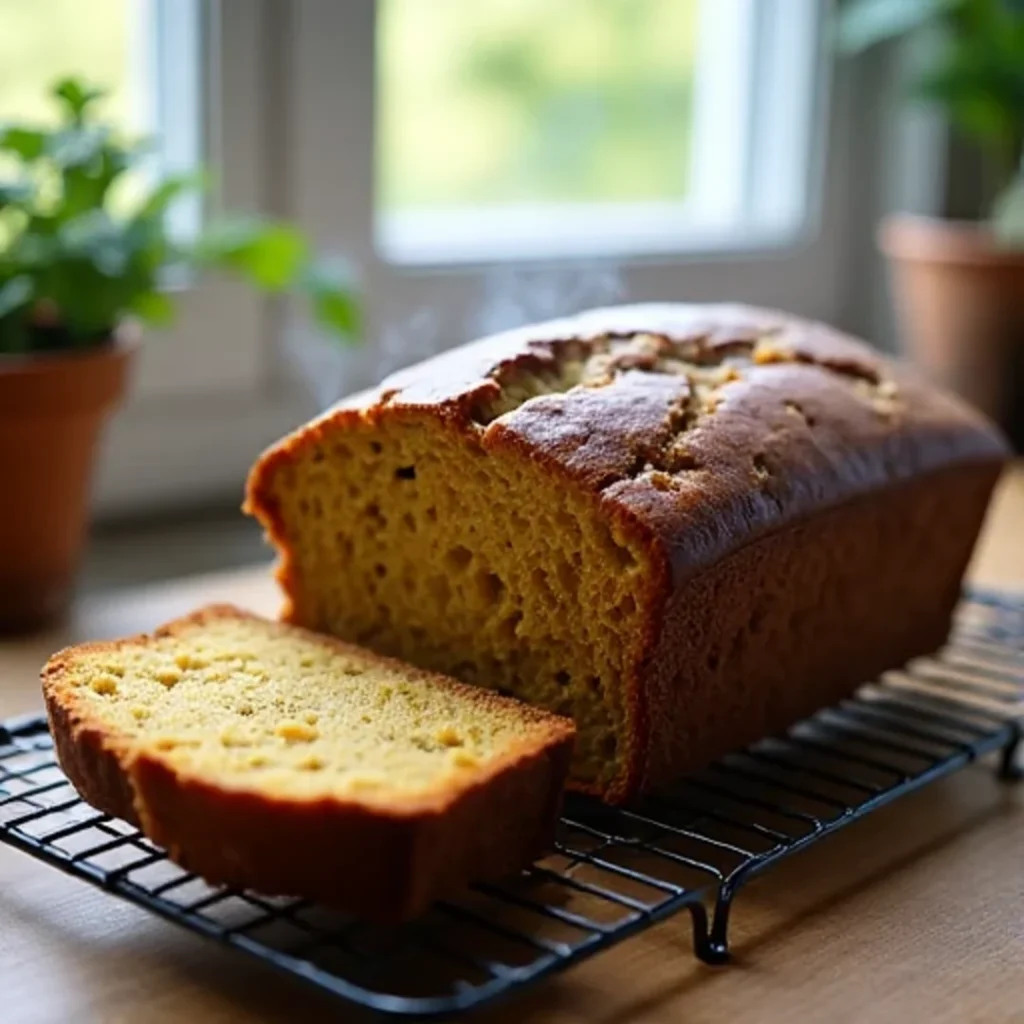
(707, 425)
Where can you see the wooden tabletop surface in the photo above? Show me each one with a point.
(913, 914)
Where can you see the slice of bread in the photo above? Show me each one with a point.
(267, 757)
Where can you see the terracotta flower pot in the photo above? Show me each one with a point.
(960, 304)
(52, 408)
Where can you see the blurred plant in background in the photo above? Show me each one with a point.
(84, 246)
(976, 75)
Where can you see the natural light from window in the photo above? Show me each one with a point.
(526, 101)
(525, 128)
(142, 53)
(44, 40)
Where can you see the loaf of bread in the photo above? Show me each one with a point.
(682, 526)
(267, 758)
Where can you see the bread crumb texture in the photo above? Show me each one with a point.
(256, 705)
(450, 570)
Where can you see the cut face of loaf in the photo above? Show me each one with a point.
(265, 757)
(683, 526)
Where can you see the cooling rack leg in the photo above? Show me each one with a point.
(1009, 768)
(716, 947)
(701, 939)
(704, 945)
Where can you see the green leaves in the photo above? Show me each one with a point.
(157, 202)
(333, 299)
(154, 308)
(63, 250)
(27, 143)
(275, 257)
(77, 147)
(95, 238)
(977, 72)
(76, 97)
(975, 100)
(271, 255)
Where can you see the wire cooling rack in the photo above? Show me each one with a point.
(612, 873)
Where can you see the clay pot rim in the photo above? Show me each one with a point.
(121, 343)
(62, 384)
(918, 239)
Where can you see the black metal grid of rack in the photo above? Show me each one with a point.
(613, 872)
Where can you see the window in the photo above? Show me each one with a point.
(523, 129)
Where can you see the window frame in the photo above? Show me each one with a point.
(205, 397)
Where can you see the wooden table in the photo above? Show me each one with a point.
(914, 914)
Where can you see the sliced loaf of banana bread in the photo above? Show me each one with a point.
(684, 526)
(265, 757)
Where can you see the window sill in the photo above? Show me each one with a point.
(553, 232)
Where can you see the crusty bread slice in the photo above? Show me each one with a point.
(267, 757)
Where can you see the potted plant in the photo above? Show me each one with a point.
(78, 270)
(959, 285)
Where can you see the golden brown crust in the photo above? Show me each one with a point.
(375, 856)
(822, 440)
(799, 619)
(812, 420)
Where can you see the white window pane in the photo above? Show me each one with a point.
(168, 81)
(525, 100)
(517, 106)
(523, 128)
